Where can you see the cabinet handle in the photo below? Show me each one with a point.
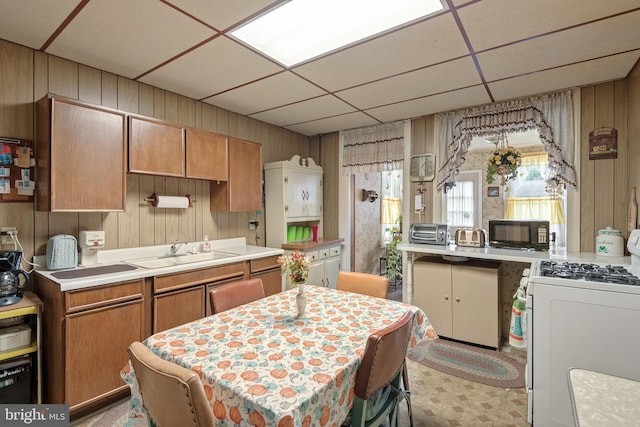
(446, 297)
(286, 208)
(457, 299)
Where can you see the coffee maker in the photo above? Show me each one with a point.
(11, 289)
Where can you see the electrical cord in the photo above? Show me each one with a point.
(17, 245)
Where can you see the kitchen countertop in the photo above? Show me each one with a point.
(308, 244)
(118, 257)
(514, 255)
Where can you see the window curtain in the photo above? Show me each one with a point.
(534, 208)
(373, 149)
(551, 115)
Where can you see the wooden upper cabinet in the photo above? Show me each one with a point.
(80, 152)
(207, 155)
(156, 147)
(243, 191)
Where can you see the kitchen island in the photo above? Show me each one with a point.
(93, 313)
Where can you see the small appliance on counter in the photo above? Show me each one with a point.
(429, 234)
(11, 289)
(90, 243)
(519, 234)
(471, 237)
(62, 252)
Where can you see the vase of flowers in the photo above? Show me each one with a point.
(296, 266)
(504, 162)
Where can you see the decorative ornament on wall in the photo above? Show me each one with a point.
(603, 143)
(504, 162)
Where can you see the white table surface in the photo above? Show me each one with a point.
(604, 400)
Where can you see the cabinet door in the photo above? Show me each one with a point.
(331, 269)
(176, 308)
(206, 155)
(81, 157)
(432, 293)
(272, 281)
(316, 273)
(156, 147)
(475, 305)
(96, 349)
(243, 191)
(303, 194)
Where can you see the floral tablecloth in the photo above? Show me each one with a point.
(263, 366)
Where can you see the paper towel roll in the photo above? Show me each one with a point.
(172, 202)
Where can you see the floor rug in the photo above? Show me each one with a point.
(470, 362)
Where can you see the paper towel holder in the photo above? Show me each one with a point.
(154, 198)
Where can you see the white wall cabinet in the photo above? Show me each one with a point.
(293, 197)
(460, 299)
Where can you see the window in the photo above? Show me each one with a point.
(391, 204)
(463, 202)
(526, 196)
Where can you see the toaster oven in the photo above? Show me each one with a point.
(429, 234)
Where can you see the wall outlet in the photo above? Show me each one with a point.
(6, 238)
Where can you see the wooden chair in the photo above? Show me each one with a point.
(171, 394)
(381, 371)
(363, 283)
(233, 294)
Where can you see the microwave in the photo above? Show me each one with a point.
(519, 234)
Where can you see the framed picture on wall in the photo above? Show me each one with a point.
(493, 191)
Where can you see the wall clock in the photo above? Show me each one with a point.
(422, 168)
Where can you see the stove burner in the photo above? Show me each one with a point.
(589, 272)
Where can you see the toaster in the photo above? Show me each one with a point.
(471, 237)
(62, 252)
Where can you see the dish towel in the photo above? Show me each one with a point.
(518, 326)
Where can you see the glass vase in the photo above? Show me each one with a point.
(301, 300)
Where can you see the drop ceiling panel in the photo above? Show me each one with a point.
(344, 121)
(427, 81)
(566, 47)
(432, 104)
(127, 37)
(218, 65)
(598, 70)
(492, 23)
(280, 89)
(221, 14)
(322, 107)
(31, 23)
(432, 41)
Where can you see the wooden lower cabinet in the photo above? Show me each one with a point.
(96, 348)
(86, 333)
(178, 307)
(270, 272)
(461, 300)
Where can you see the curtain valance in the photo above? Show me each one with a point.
(551, 115)
(373, 149)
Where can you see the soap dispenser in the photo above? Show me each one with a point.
(206, 246)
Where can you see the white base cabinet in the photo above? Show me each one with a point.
(460, 299)
(325, 265)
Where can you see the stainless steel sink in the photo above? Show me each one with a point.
(170, 260)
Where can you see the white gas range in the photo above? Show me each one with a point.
(580, 315)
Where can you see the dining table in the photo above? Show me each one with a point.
(263, 364)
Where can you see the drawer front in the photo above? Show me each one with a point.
(83, 299)
(195, 277)
(323, 253)
(262, 264)
(313, 255)
(334, 251)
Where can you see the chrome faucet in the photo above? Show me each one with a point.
(176, 246)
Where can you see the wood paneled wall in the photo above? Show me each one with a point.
(27, 75)
(603, 183)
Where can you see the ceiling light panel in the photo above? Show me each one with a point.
(298, 30)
